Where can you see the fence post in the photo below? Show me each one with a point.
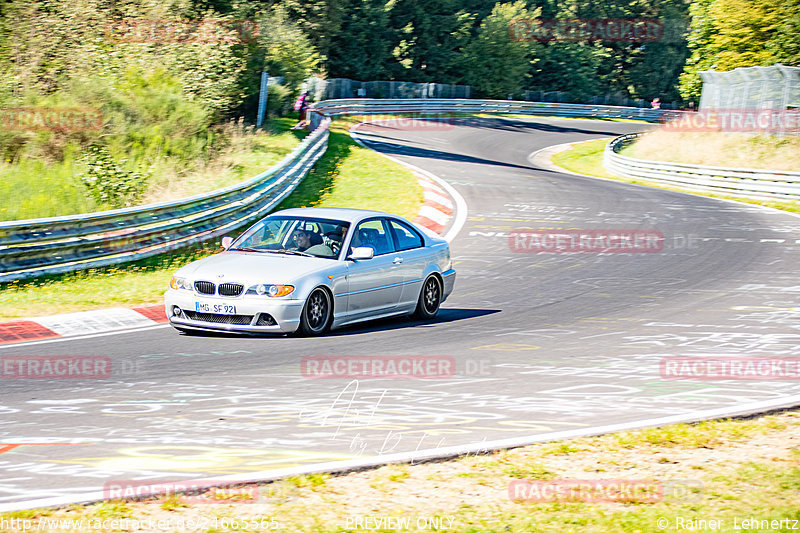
(262, 99)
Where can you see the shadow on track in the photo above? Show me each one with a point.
(385, 324)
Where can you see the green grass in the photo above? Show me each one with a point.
(35, 188)
(346, 176)
(737, 150)
(587, 158)
(584, 158)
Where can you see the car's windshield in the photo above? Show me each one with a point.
(295, 235)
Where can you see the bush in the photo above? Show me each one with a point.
(107, 182)
(279, 100)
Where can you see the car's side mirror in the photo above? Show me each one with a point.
(362, 252)
(226, 242)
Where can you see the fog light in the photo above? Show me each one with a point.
(176, 311)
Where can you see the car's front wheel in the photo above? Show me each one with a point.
(429, 298)
(317, 313)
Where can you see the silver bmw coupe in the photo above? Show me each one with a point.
(312, 269)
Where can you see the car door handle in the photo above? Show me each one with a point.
(397, 260)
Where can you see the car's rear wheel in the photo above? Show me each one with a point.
(317, 313)
(430, 298)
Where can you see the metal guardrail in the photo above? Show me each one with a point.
(31, 248)
(47, 246)
(739, 182)
(60, 244)
(444, 106)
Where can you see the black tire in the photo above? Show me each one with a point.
(317, 313)
(430, 298)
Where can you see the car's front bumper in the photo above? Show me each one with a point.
(253, 314)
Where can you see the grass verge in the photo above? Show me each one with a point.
(38, 189)
(587, 158)
(727, 471)
(346, 176)
(738, 150)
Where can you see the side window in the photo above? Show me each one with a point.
(405, 237)
(373, 234)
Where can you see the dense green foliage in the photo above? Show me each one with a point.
(163, 75)
(727, 34)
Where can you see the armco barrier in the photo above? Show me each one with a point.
(444, 106)
(60, 244)
(739, 182)
(31, 248)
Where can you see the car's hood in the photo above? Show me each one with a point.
(253, 266)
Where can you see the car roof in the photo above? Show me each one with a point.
(334, 213)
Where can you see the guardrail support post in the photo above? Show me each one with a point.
(262, 99)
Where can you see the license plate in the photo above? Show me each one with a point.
(218, 309)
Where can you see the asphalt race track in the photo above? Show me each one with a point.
(543, 343)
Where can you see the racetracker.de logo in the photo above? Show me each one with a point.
(737, 120)
(586, 490)
(738, 368)
(50, 119)
(412, 122)
(55, 367)
(201, 491)
(378, 367)
(586, 30)
(596, 241)
(173, 31)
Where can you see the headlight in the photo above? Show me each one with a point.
(273, 291)
(180, 283)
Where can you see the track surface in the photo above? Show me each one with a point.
(542, 342)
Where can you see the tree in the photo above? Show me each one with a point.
(727, 34)
(495, 63)
(319, 20)
(363, 48)
(429, 36)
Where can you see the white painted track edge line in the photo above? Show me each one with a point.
(566, 146)
(461, 204)
(438, 453)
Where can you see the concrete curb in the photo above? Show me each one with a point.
(82, 323)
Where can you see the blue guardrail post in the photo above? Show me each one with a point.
(262, 99)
